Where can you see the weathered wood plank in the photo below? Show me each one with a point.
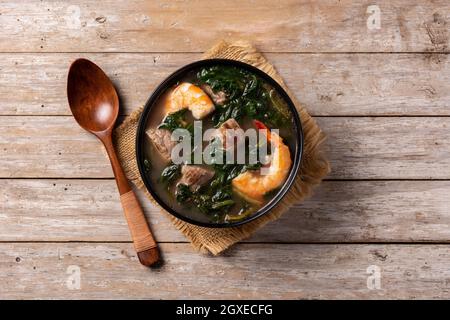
(192, 26)
(340, 211)
(358, 148)
(258, 271)
(327, 84)
(48, 147)
(391, 148)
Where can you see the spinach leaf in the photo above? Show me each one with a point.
(203, 202)
(147, 165)
(183, 193)
(170, 173)
(222, 194)
(279, 104)
(247, 96)
(174, 121)
(232, 109)
(222, 204)
(251, 86)
(235, 171)
(253, 166)
(231, 80)
(214, 199)
(246, 210)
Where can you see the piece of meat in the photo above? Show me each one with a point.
(219, 97)
(195, 176)
(222, 130)
(160, 139)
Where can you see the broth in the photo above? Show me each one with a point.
(216, 193)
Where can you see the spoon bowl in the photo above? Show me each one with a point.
(92, 98)
(95, 105)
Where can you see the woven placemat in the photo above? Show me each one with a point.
(313, 169)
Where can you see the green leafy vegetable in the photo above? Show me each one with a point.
(279, 104)
(216, 198)
(231, 80)
(246, 211)
(222, 193)
(147, 165)
(221, 204)
(170, 173)
(174, 121)
(232, 109)
(254, 166)
(247, 96)
(183, 193)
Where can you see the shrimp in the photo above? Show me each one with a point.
(253, 185)
(187, 95)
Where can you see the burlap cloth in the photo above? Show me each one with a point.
(314, 166)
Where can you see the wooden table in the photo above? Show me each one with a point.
(378, 227)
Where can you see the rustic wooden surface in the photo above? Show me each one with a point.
(335, 84)
(381, 95)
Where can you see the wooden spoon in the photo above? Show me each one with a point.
(95, 106)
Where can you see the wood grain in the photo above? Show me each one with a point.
(329, 59)
(248, 271)
(326, 84)
(358, 148)
(192, 26)
(340, 211)
(387, 148)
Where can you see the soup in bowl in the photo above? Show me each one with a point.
(219, 143)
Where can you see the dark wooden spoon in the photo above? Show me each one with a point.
(95, 106)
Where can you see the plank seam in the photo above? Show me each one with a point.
(313, 115)
(201, 52)
(326, 179)
(431, 242)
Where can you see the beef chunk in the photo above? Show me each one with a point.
(195, 176)
(222, 130)
(219, 97)
(160, 138)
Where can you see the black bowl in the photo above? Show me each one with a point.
(173, 79)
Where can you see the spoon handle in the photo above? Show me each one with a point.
(144, 243)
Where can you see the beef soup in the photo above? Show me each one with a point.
(200, 182)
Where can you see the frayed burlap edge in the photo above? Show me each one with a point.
(313, 169)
